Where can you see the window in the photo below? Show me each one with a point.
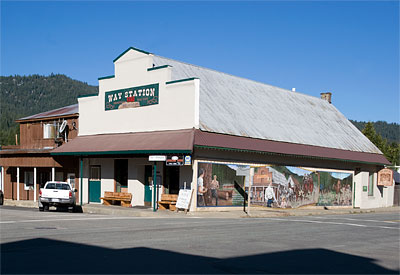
(49, 130)
(51, 186)
(28, 180)
(95, 172)
(371, 184)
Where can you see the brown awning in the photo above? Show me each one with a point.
(222, 141)
(179, 141)
(183, 141)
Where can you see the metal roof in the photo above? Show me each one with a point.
(242, 107)
(63, 111)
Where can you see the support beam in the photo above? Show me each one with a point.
(81, 183)
(53, 174)
(34, 184)
(17, 183)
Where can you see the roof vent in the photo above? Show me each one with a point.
(327, 96)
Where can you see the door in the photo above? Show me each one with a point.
(147, 181)
(94, 183)
(121, 175)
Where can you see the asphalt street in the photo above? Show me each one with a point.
(61, 242)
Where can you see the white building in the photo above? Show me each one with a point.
(158, 106)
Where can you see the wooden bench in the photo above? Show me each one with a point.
(168, 201)
(110, 197)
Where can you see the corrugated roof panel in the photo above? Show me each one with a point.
(63, 111)
(238, 106)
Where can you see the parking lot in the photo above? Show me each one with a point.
(62, 242)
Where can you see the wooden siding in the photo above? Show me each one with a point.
(31, 133)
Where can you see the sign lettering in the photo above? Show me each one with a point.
(132, 97)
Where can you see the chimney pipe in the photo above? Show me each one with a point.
(327, 96)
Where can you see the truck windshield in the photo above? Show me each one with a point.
(58, 186)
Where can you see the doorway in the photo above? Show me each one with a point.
(121, 175)
(148, 169)
(94, 183)
(171, 180)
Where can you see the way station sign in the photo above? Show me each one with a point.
(157, 158)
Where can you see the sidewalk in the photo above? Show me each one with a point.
(255, 212)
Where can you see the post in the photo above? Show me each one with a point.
(34, 184)
(17, 183)
(2, 178)
(53, 173)
(249, 192)
(80, 183)
(154, 186)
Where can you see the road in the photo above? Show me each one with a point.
(60, 242)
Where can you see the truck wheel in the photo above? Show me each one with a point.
(45, 207)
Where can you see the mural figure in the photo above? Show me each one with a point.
(201, 190)
(214, 189)
(270, 195)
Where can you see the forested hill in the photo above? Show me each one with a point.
(389, 131)
(27, 95)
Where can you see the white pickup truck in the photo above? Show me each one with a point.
(57, 193)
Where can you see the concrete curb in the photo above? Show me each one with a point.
(254, 213)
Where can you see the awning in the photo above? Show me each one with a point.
(183, 141)
(228, 142)
(179, 141)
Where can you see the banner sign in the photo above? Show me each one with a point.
(385, 177)
(132, 97)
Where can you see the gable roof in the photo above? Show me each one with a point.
(242, 107)
(63, 111)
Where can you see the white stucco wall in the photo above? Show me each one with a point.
(382, 195)
(177, 108)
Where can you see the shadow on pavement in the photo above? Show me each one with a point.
(45, 256)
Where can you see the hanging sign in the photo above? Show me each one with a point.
(174, 161)
(132, 97)
(188, 160)
(157, 158)
(385, 177)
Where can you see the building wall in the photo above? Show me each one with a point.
(136, 168)
(382, 195)
(31, 133)
(177, 107)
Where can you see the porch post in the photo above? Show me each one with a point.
(154, 187)
(2, 178)
(80, 182)
(53, 173)
(34, 184)
(17, 183)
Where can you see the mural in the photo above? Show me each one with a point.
(221, 184)
(294, 187)
(273, 186)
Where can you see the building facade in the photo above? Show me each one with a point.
(28, 166)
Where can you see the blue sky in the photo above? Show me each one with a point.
(348, 48)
